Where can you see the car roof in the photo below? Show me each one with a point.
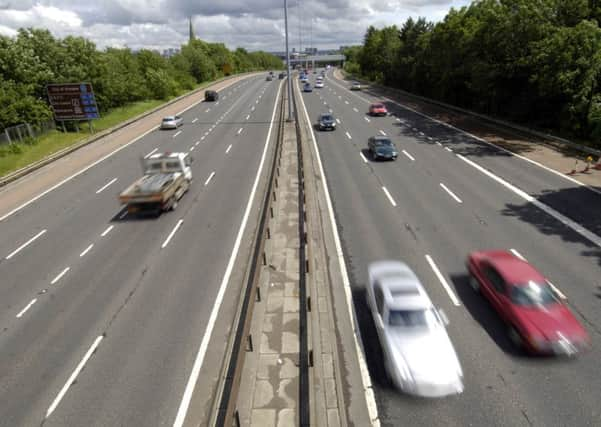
(514, 270)
(377, 104)
(400, 285)
(169, 118)
(381, 138)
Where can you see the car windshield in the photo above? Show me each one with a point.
(533, 293)
(412, 318)
(326, 118)
(168, 119)
(377, 106)
(383, 143)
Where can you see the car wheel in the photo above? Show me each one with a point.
(515, 337)
(475, 284)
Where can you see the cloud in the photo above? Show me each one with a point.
(253, 24)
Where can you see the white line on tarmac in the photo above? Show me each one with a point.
(228, 149)
(27, 243)
(355, 110)
(202, 349)
(348, 135)
(170, 236)
(382, 132)
(217, 103)
(195, 120)
(443, 281)
(209, 178)
(60, 275)
(73, 376)
(203, 137)
(177, 133)
(252, 109)
(101, 189)
(240, 131)
(107, 231)
(392, 202)
(363, 157)
(346, 102)
(367, 119)
(192, 148)
(517, 254)
(248, 117)
(207, 110)
(27, 307)
(587, 234)
(338, 121)
(86, 250)
(151, 153)
(408, 155)
(448, 149)
(438, 143)
(196, 143)
(445, 188)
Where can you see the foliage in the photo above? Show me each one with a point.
(533, 61)
(35, 58)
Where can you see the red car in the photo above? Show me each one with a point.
(538, 320)
(377, 109)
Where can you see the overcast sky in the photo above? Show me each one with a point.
(253, 24)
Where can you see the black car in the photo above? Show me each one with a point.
(211, 95)
(326, 121)
(281, 76)
(381, 147)
(268, 78)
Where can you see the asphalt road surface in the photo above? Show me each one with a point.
(446, 195)
(101, 313)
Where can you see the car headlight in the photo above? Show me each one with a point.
(539, 343)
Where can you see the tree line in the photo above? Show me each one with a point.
(35, 58)
(536, 62)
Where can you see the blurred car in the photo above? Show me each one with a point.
(355, 86)
(381, 147)
(307, 87)
(537, 319)
(318, 84)
(171, 122)
(211, 95)
(304, 78)
(377, 109)
(268, 78)
(281, 76)
(326, 121)
(418, 354)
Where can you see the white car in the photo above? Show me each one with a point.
(318, 84)
(171, 122)
(356, 86)
(418, 354)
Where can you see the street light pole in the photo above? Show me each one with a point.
(289, 76)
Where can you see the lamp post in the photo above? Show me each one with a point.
(289, 76)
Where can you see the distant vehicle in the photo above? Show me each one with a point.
(381, 147)
(319, 84)
(537, 319)
(307, 87)
(319, 78)
(418, 354)
(171, 122)
(304, 78)
(326, 121)
(268, 78)
(281, 76)
(377, 109)
(356, 86)
(167, 177)
(211, 95)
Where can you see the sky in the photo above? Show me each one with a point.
(252, 24)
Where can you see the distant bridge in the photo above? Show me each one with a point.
(335, 59)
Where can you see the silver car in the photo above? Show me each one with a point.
(355, 86)
(171, 122)
(418, 354)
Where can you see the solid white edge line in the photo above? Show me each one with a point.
(24, 245)
(73, 376)
(107, 231)
(453, 195)
(385, 190)
(170, 236)
(517, 254)
(105, 186)
(408, 155)
(177, 133)
(60, 275)
(200, 355)
(348, 135)
(363, 157)
(443, 281)
(587, 234)
(228, 149)
(365, 378)
(151, 153)
(27, 307)
(86, 250)
(209, 178)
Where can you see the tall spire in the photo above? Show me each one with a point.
(191, 29)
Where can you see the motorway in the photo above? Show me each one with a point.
(446, 195)
(102, 313)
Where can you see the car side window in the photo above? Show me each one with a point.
(379, 296)
(495, 279)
